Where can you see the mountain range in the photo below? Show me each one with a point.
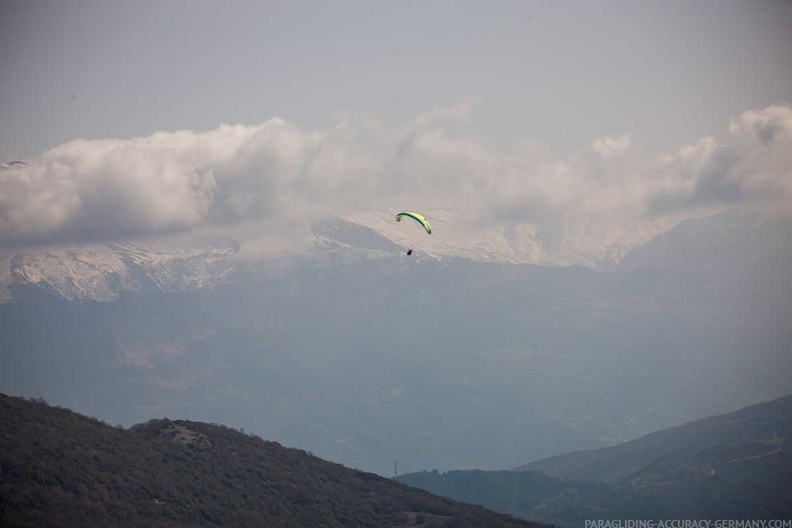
(721, 245)
(368, 357)
(731, 466)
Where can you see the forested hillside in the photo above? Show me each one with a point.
(59, 468)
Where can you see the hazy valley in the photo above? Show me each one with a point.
(368, 358)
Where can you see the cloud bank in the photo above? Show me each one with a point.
(277, 174)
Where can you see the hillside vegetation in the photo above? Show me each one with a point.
(59, 468)
(765, 424)
(733, 466)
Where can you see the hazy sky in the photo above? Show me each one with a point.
(561, 73)
(515, 110)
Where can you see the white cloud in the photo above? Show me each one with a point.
(773, 124)
(610, 146)
(276, 174)
(750, 167)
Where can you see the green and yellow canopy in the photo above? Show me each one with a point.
(417, 217)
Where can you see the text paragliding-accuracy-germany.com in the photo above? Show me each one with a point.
(687, 523)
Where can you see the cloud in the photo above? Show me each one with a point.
(750, 167)
(276, 174)
(92, 190)
(610, 146)
(772, 124)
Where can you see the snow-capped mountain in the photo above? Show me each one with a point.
(565, 242)
(102, 271)
(362, 354)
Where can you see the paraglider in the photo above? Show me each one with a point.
(418, 218)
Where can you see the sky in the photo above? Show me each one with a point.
(144, 119)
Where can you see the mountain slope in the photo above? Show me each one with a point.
(734, 466)
(60, 468)
(364, 355)
(103, 271)
(534, 495)
(762, 424)
(722, 246)
(398, 358)
(574, 240)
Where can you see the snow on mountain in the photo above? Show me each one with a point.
(567, 242)
(450, 238)
(101, 272)
(583, 241)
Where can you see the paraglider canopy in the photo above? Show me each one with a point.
(418, 218)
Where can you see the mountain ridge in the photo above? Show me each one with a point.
(731, 466)
(101, 271)
(622, 460)
(58, 467)
(563, 358)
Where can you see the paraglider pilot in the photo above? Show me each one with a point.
(418, 218)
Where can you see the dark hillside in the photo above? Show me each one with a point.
(758, 424)
(534, 495)
(733, 466)
(59, 468)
